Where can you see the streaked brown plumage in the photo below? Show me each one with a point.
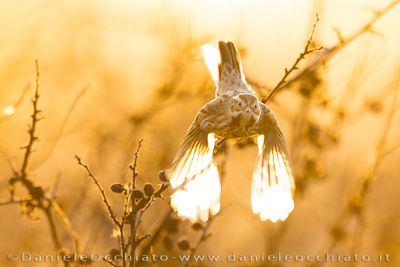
(234, 113)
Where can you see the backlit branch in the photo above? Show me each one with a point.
(354, 207)
(307, 50)
(103, 194)
(328, 53)
(37, 199)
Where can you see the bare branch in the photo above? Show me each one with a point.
(134, 165)
(45, 155)
(390, 150)
(32, 128)
(354, 206)
(53, 229)
(10, 201)
(103, 194)
(111, 263)
(37, 198)
(156, 233)
(205, 234)
(133, 219)
(328, 53)
(307, 50)
(66, 222)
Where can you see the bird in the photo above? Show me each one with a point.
(234, 113)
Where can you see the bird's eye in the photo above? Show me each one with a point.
(255, 106)
(240, 104)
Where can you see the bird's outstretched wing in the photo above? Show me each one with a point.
(194, 175)
(225, 69)
(272, 184)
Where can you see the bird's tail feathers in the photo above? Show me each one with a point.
(222, 63)
(230, 59)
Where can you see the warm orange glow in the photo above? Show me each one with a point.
(114, 72)
(9, 110)
(199, 192)
(211, 57)
(271, 192)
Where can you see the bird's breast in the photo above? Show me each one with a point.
(236, 126)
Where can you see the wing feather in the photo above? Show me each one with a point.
(194, 176)
(272, 184)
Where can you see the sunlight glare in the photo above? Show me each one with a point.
(9, 110)
(199, 196)
(272, 185)
(211, 58)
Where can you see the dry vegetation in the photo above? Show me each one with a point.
(88, 177)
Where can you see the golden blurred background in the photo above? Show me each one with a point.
(114, 72)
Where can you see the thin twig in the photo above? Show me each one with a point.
(53, 229)
(103, 194)
(204, 230)
(122, 225)
(355, 203)
(155, 196)
(156, 233)
(307, 50)
(133, 222)
(67, 223)
(328, 53)
(109, 262)
(203, 237)
(119, 224)
(37, 198)
(56, 137)
(343, 42)
(390, 150)
(36, 192)
(32, 128)
(20, 200)
(133, 167)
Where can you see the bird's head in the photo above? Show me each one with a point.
(245, 105)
